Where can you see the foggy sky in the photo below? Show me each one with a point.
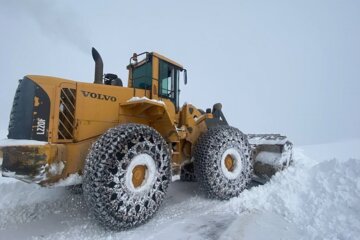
(290, 67)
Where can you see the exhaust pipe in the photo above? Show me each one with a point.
(99, 67)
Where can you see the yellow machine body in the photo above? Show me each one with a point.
(55, 121)
(80, 112)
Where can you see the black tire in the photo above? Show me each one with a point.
(113, 202)
(209, 153)
(187, 173)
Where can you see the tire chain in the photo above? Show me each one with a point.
(208, 152)
(111, 202)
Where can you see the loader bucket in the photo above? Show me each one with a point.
(271, 153)
(31, 163)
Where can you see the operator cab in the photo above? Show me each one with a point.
(157, 74)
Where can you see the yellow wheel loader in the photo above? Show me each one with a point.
(126, 144)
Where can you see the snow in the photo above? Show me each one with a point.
(20, 142)
(139, 99)
(140, 160)
(316, 198)
(271, 158)
(56, 168)
(236, 161)
(321, 199)
(72, 179)
(175, 178)
(261, 225)
(257, 139)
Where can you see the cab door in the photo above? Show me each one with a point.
(169, 83)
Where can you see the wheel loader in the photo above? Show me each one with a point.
(127, 144)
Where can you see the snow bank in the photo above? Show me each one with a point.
(261, 225)
(313, 199)
(321, 199)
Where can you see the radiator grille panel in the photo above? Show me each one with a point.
(67, 114)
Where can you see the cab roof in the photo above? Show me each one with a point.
(167, 60)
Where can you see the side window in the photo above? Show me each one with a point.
(168, 82)
(142, 76)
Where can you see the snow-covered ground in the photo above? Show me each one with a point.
(317, 198)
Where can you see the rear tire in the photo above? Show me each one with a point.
(223, 162)
(113, 190)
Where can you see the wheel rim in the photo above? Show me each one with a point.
(140, 173)
(231, 163)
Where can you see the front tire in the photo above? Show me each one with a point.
(223, 162)
(126, 176)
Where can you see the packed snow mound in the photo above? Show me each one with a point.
(261, 225)
(321, 199)
(316, 198)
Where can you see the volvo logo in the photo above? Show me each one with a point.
(98, 96)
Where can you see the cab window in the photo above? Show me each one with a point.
(169, 82)
(142, 76)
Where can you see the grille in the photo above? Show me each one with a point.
(14, 110)
(66, 114)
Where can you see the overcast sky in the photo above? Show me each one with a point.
(290, 67)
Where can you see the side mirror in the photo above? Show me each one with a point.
(185, 76)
